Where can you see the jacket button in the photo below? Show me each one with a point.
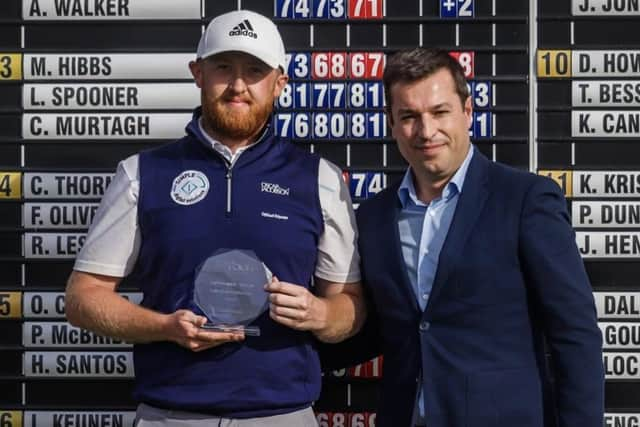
(424, 326)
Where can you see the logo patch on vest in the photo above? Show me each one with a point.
(267, 187)
(189, 187)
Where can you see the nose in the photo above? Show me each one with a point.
(427, 126)
(237, 83)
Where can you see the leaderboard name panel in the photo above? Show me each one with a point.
(588, 141)
(85, 84)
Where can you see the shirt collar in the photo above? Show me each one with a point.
(407, 190)
(221, 148)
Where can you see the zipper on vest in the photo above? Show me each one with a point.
(229, 176)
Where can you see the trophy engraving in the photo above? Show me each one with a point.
(229, 289)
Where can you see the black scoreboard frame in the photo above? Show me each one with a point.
(556, 87)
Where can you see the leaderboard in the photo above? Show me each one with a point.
(86, 83)
(588, 130)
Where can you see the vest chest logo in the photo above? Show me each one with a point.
(267, 187)
(189, 187)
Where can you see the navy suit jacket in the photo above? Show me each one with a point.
(510, 287)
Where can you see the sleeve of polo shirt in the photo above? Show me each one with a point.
(112, 244)
(338, 257)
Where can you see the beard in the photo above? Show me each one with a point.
(231, 123)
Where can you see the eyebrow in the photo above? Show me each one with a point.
(441, 105)
(406, 111)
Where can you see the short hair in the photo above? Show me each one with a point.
(408, 66)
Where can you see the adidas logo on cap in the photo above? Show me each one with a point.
(243, 29)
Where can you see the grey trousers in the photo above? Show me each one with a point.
(148, 416)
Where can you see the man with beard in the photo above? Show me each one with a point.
(229, 184)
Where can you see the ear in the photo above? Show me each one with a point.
(196, 71)
(281, 82)
(468, 111)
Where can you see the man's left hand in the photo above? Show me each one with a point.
(294, 306)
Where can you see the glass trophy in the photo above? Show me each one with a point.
(229, 289)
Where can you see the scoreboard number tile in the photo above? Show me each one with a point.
(285, 100)
(596, 184)
(329, 65)
(563, 178)
(366, 184)
(332, 419)
(553, 63)
(481, 93)
(366, 9)
(357, 65)
(10, 418)
(301, 95)
(330, 9)
(10, 185)
(467, 61)
(10, 66)
(293, 125)
(301, 9)
(298, 65)
(482, 126)
(457, 8)
(329, 125)
(10, 305)
(375, 95)
(362, 419)
(346, 419)
(448, 8)
(366, 65)
(328, 95)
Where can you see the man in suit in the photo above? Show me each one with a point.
(473, 274)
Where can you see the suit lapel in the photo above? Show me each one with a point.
(470, 204)
(391, 236)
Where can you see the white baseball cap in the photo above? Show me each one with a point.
(243, 31)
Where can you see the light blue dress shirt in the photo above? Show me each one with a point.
(423, 229)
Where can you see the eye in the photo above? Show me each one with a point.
(440, 113)
(221, 66)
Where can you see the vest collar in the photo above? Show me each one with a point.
(253, 151)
